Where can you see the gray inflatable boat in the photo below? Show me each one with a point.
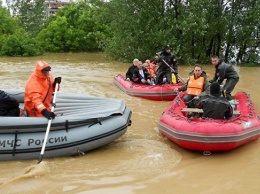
(82, 123)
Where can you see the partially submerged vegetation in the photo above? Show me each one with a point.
(127, 29)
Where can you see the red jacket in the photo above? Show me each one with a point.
(38, 91)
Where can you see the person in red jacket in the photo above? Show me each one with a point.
(38, 91)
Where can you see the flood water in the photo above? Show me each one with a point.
(141, 161)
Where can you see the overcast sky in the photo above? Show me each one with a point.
(3, 2)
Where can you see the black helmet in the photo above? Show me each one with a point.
(167, 47)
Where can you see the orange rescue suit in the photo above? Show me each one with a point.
(38, 91)
(195, 86)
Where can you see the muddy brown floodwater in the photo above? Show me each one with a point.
(141, 161)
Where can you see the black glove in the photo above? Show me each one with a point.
(219, 82)
(48, 114)
(57, 80)
(160, 59)
(155, 60)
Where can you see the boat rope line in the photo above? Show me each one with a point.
(67, 125)
(133, 85)
(55, 126)
(16, 94)
(145, 90)
(191, 137)
(161, 93)
(15, 140)
(80, 152)
(71, 144)
(95, 122)
(182, 100)
(121, 87)
(75, 144)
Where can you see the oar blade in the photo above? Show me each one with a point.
(40, 158)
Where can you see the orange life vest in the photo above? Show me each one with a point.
(195, 86)
(151, 69)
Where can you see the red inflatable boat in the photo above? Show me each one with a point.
(156, 92)
(207, 134)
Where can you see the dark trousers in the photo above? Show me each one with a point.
(10, 113)
(229, 87)
(161, 74)
(188, 99)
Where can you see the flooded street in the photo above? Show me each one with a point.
(141, 161)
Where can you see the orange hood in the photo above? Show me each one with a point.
(40, 65)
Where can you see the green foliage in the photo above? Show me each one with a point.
(8, 25)
(30, 14)
(20, 44)
(13, 39)
(195, 29)
(127, 29)
(135, 32)
(52, 38)
(75, 28)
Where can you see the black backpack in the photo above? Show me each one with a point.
(8, 105)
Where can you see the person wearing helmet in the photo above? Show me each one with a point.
(167, 65)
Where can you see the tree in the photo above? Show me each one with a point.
(8, 25)
(52, 38)
(14, 41)
(195, 29)
(76, 27)
(30, 14)
(20, 44)
(138, 29)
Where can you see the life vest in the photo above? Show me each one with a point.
(151, 69)
(195, 86)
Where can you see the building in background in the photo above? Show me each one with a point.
(52, 6)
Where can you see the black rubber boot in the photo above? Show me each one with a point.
(229, 97)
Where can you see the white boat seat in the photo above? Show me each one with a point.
(234, 101)
(199, 110)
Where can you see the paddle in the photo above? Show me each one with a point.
(49, 124)
(173, 71)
